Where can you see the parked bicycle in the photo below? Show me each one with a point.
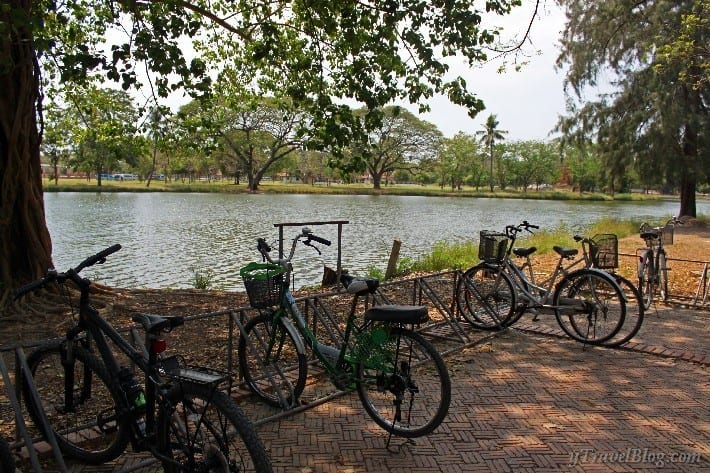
(95, 407)
(601, 252)
(588, 303)
(653, 264)
(401, 379)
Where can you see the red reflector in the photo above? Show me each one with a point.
(159, 346)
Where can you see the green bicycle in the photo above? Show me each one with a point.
(401, 379)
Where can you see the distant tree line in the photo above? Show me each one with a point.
(246, 138)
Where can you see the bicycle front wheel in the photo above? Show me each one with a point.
(634, 313)
(589, 306)
(273, 365)
(662, 276)
(204, 430)
(485, 297)
(80, 402)
(404, 385)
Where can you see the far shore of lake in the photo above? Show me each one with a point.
(228, 186)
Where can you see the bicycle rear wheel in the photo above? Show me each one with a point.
(634, 313)
(80, 401)
(206, 431)
(589, 306)
(273, 365)
(485, 297)
(404, 385)
(646, 281)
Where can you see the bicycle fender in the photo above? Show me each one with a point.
(644, 257)
(295, 335)
(599, 272)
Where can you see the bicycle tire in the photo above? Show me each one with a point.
(593, 306)
(277, 374)
(485, 297)
(634, 316)
(404, 363)
(646, 281)
(94, 432)
(7, 459)
(204, 430)
(662, 276)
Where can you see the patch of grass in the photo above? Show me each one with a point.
(446, 255)
(203, 280)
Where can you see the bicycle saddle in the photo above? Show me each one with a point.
(523, 252)
(403, 314)
(360, 286)
(566, 252)
(153, 323)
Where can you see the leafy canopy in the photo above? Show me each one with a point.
(319, 53)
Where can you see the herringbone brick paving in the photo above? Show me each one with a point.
(530, 402)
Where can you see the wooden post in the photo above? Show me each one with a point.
(394, 256)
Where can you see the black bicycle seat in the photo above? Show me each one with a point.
(403, 314)
(566, 252)
(153, 323)
(523, 252)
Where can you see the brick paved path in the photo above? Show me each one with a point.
(530, 402)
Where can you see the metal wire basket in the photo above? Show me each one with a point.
(604, 251)
(264, 283)
(492, 247)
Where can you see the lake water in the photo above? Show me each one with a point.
(167, 237)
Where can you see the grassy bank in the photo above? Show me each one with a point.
(445, 256)
(270, 187)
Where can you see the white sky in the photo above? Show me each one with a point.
(527, 103)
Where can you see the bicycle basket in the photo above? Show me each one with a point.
(264, 283)
(667, 234)
(604, 251)
(492, 247)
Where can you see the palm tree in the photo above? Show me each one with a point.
(489, 135)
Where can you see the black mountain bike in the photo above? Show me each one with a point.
(95, 407)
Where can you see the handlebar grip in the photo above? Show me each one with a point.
(99, 257)
(33, 286)
(319, 239)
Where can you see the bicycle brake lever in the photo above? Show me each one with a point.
(308, 243)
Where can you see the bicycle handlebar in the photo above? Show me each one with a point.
(73, 273)
(306, 235)
(512, 230)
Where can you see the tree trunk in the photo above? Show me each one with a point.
(376, 180)
(25, 244)
(687, 195)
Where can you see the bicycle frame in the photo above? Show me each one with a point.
(545, 288)
(101, 332)
(332, 358)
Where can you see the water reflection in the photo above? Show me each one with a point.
(166, 237)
